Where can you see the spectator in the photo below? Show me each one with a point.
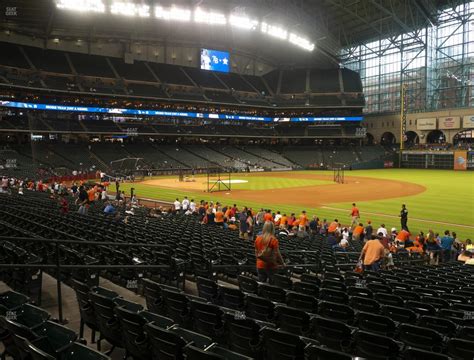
(284, 222)
(82, 201)
(446, 245)
(333, 226)
(303, 220)
(219, 217)
(469, 245)
(372, 255)
(313, 225)
(250, 224)
(358, 231)
(177, 205)
(382, 230)
(109, 209)
(267, 253)
(465, 256)
(185, 204)
(368, 230)
(192, 206)
(243, 228)
(432, 248)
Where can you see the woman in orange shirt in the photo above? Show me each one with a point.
(267, 252)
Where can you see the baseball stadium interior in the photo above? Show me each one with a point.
(266, 179)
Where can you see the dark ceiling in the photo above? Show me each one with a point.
(330, 24)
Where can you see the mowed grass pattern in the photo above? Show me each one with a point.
(449, 198)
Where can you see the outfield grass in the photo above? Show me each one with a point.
(449, 198)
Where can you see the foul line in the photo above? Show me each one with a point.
(396, 217)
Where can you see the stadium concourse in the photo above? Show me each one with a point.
(104, 102)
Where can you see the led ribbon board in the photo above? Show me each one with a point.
(182, 114)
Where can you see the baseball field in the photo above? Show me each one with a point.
(436, 199)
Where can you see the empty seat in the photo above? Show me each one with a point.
(207, 319)
(364, 304)
(167, 344)
(420, 307)
(399, 314)
(336, 311)
(292, 320)
(242, 335)
(211, 353)
(279, 345)
(282, 281)
(331, 333)
(259, 308)
(324, 353)
(273, 293)
(248, 285)
(300, 301)
(232, 298)
(389, 299)
(359, 291)
(460, 349)
(374, 346)
(419, 354)
(335, 296)
(375, 323)
(420, 337)
(306, 288)
(207, 289)
(443, 326)
(81, 352)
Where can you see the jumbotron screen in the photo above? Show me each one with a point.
(215, 60)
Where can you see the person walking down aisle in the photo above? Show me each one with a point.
(267, 252)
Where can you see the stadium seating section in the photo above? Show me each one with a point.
(320, 309)
(47, 69)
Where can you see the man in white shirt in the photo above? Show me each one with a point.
(177, 205)
(192, 206)
(185, 203)
(277, 217)
(382, 230)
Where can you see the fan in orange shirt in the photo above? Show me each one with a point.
(283, 222)
(219, 217)
(268, 216)
(333, 226)
(357, 233)
(303, 220)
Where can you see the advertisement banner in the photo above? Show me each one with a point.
(426, 124)
(468, 121)
(449, 122)
(460, 160)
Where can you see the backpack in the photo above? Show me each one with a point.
(266, 254)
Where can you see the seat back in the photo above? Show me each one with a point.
(332, 333)
(300, 301)
(242, 335)
(420, 337)
(259, 308)
(294, 321)
(374, 346)
(164, 344)
(336, 311)
(248, 284)
(132, 325)
(279, 345)
(375, 323)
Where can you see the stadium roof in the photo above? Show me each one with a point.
(330, 24)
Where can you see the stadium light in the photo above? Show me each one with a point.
(209, 17)
(129, 9)
(301, 42)
(243, 22)
(198, 15)
(274, 31)
(172, 13)
(81, 5)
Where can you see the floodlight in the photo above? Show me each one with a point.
(172, 13)
(274, 31)
(209, 17)
(122, 8)
(301, 42)
(81, 5)
(243, 22)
